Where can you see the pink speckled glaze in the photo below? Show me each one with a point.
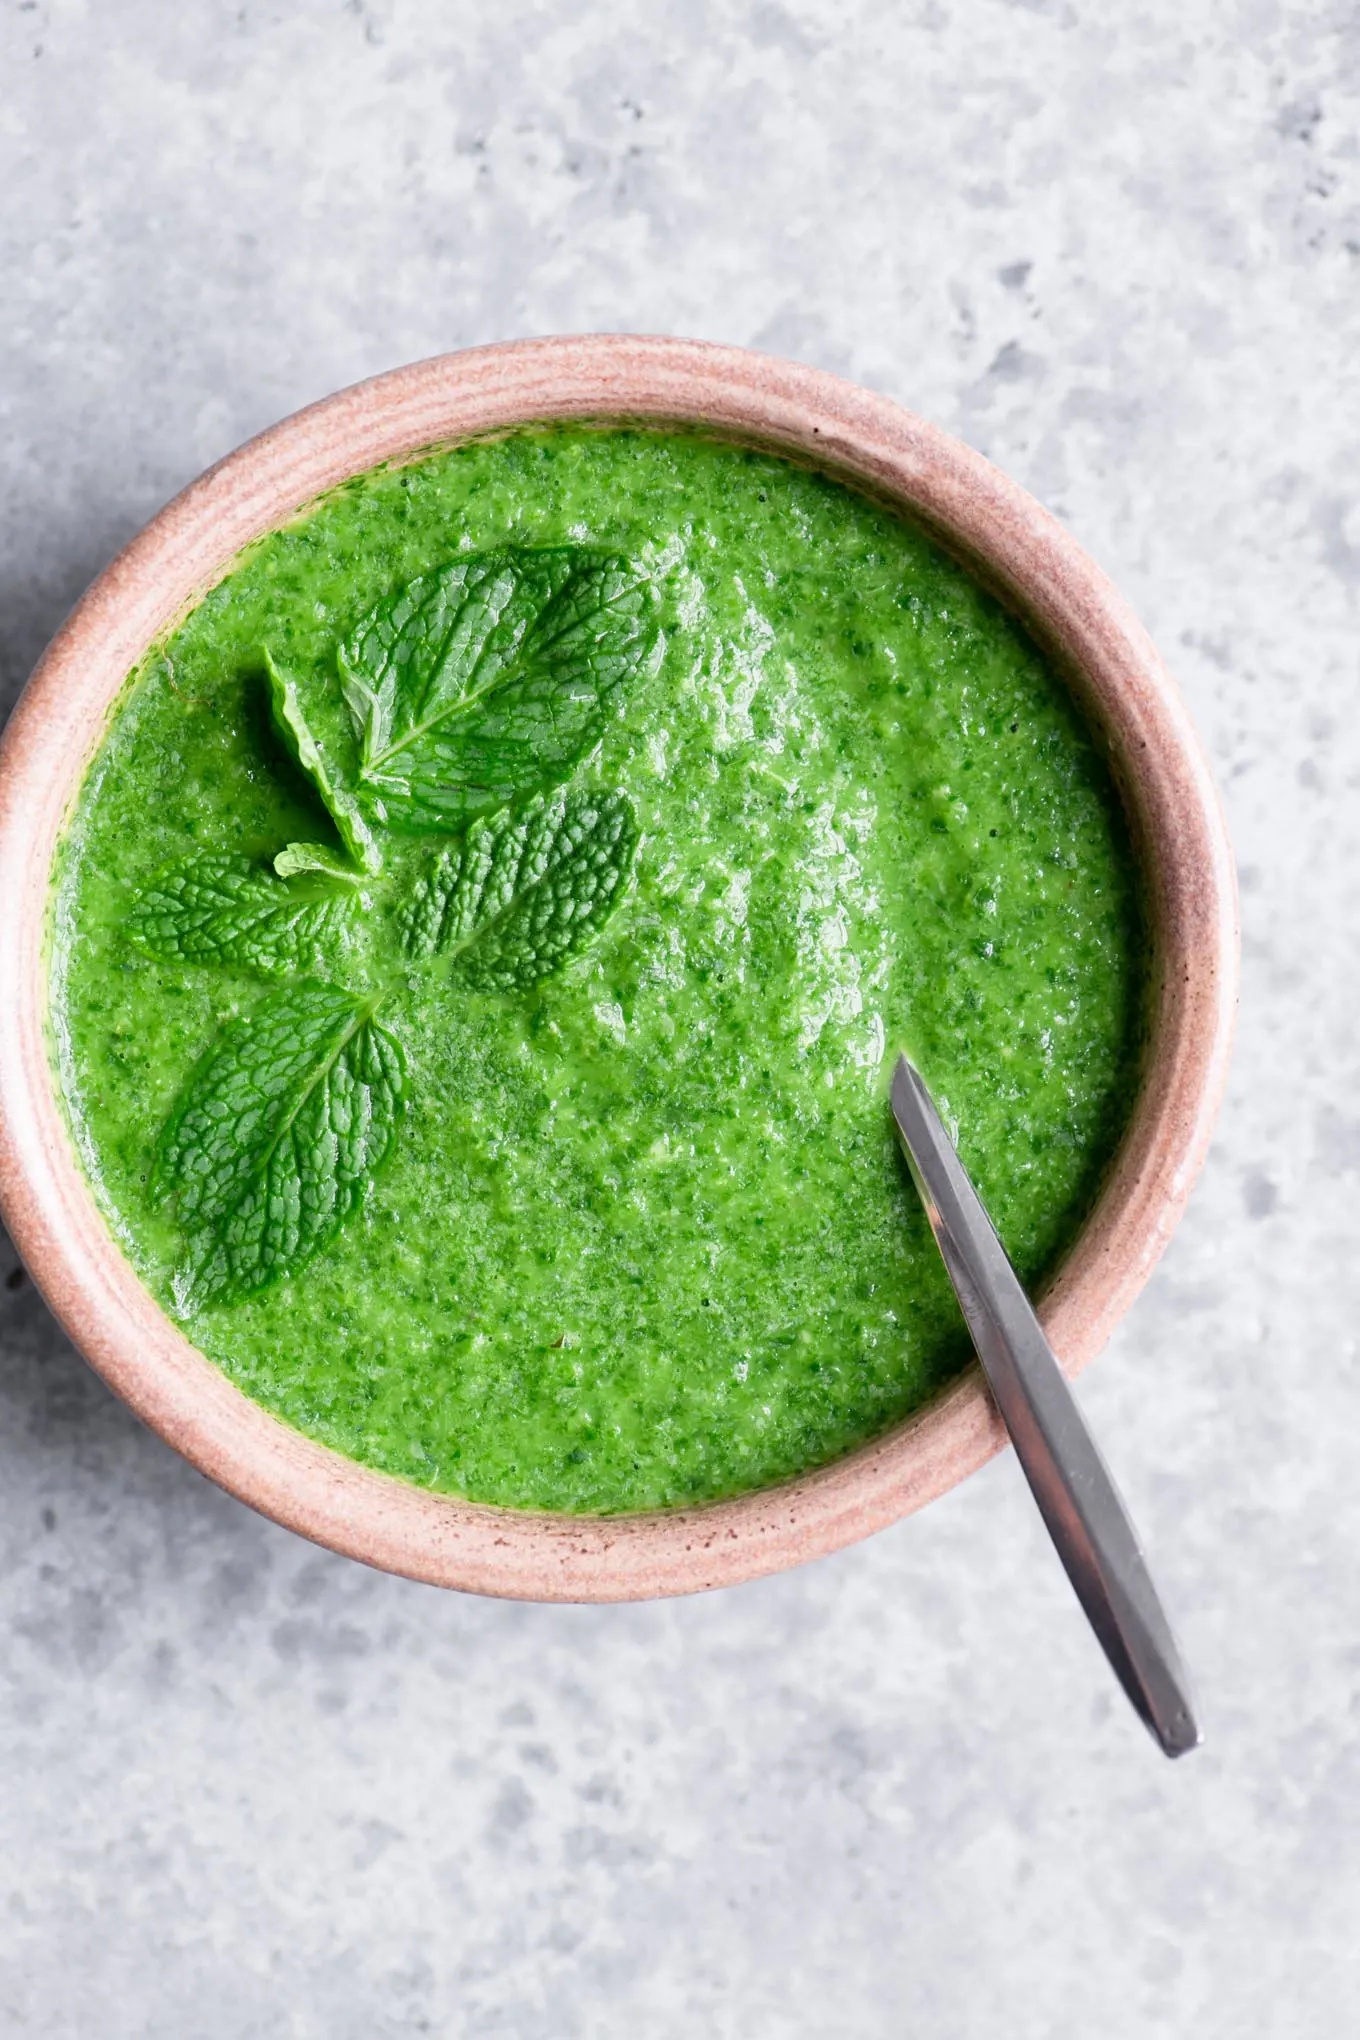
(848, 432)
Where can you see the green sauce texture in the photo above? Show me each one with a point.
(640, 1235)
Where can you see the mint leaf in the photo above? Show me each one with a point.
(224, 909)
(525, 891)
(489, 678)
(277, 1139)
(290, 720)
(297, 860)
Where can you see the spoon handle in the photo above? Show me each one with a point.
(1077, 1498)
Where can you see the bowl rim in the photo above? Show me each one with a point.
(854, 435)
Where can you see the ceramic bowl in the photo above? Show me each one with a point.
(865, 440)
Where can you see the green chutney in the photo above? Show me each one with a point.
(640, 1234)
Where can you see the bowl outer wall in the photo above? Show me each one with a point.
(856, 436)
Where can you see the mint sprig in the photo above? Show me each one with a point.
(458, 706)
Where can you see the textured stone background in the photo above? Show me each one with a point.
(250, 1789)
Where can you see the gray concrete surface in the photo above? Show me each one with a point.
(251, 1789)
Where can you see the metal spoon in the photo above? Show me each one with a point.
(1077, 1498)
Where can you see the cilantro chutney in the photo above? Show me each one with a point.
(635, 1232)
